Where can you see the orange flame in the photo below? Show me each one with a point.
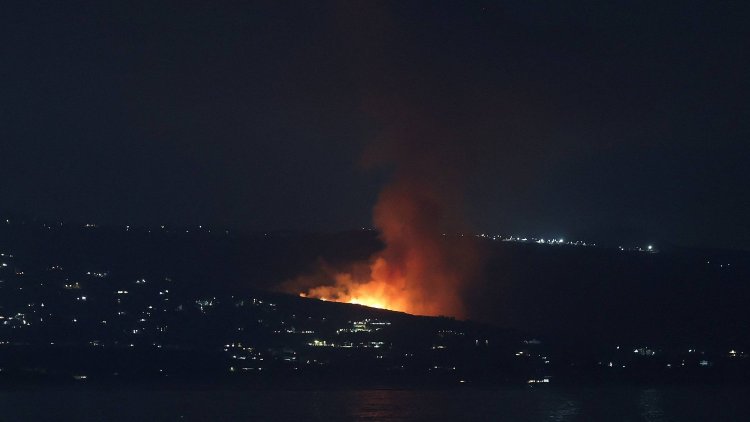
(419, 272)
(375, 293)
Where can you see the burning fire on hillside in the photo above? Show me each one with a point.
(419, 271)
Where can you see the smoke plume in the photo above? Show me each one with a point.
(425, 264)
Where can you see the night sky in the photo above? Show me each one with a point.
(608, 121)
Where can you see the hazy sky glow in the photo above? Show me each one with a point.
(598, 121)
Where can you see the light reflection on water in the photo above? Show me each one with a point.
(650, 405)
(462, 405)
(565, 412)
(511, 404)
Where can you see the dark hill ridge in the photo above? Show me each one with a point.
(83, 304)
(678, 296)
(571, 294)
(202, 257)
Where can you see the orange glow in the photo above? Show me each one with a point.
(385, 290)
(419, 271)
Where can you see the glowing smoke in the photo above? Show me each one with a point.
(424, 265)
(422, 143)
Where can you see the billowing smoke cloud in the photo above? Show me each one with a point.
(425, 263)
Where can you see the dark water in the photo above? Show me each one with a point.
(519, 404)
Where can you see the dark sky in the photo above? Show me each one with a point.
(612, 121)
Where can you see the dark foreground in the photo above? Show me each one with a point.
(677, 403)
